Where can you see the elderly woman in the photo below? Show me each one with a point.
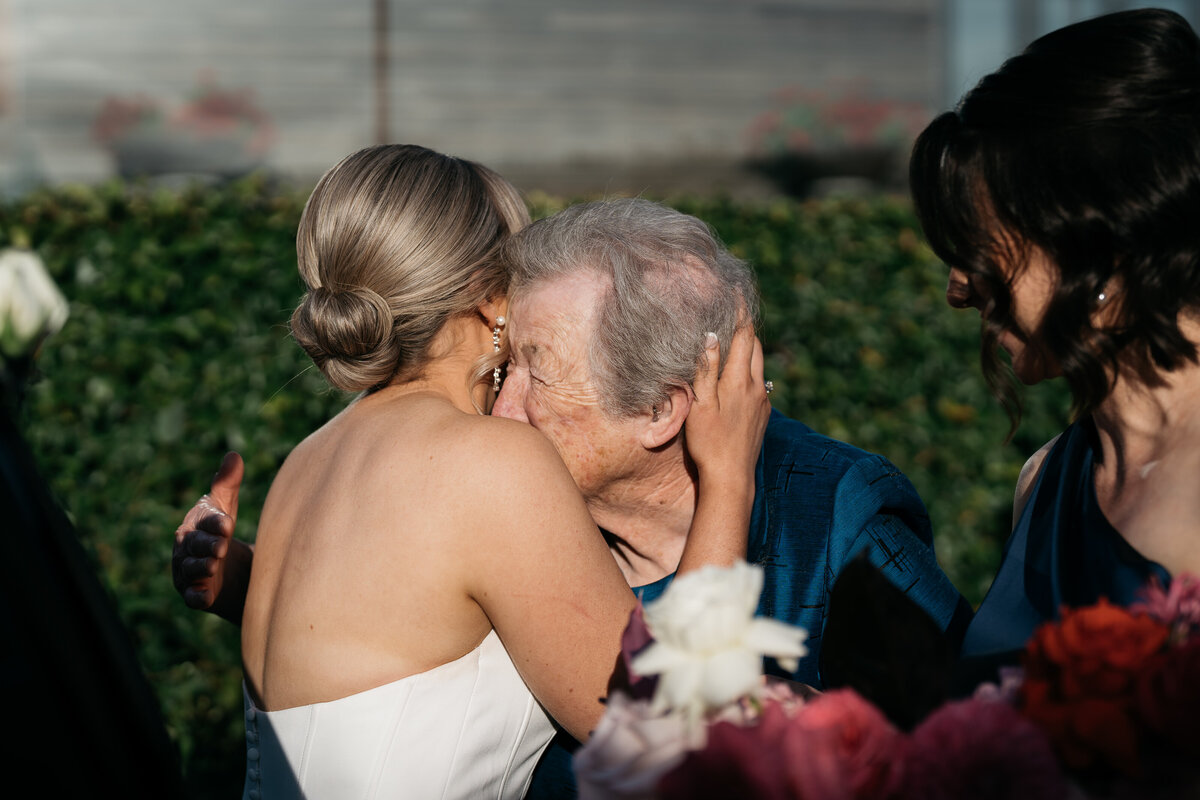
(1064, 194)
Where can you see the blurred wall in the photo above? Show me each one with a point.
(535, 87)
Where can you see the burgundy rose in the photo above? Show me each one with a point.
(1168, 697)
(982, 749)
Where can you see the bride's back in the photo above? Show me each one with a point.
(356, 578)
(353, 578)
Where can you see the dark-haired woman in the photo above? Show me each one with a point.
(1064, 194)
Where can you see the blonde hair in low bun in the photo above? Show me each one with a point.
(348, 335)
(394, 241)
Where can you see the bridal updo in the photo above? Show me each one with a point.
(394, 241)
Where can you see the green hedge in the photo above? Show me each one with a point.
(177, 350)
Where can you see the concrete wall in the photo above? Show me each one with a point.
(532, 86)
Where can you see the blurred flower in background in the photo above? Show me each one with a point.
(219, 131)
(802, 120)
(809, 135)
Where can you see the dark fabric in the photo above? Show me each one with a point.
(818, 503)
(81, 716)
(1062, 552)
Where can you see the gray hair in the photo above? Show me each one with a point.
(669, 283)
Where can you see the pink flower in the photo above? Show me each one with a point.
(1178, 606)
(1007, 690)
(736, 761)
(840, 746)
(629, 751)
(981, 749)
(787, 695)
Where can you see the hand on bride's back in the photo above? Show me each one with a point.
(729, 414)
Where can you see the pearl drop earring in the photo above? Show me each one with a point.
(496, 348)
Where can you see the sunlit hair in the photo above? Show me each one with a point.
(1086, 146)
(669, 282)
(394, 241)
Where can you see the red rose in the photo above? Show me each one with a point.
(1094, 651)
(1080, 676)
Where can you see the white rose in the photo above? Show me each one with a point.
(31, 306)
(629, 751)
(708, 645)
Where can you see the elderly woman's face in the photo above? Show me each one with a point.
(1031, 288)
(549, 382)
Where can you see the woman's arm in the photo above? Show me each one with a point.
(537, 566)
(724, 433)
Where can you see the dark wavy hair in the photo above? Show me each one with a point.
(1086, 146)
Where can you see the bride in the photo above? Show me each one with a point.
(428, 589)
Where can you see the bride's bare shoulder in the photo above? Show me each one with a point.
(496, 444)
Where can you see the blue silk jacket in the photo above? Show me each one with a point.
(818, 504)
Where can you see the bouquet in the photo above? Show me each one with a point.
(1102, 707)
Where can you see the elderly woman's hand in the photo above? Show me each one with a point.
(724, 432)
(729, 413)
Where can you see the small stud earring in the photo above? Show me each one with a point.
(1101, 297)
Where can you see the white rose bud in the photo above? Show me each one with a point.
(31, 306)
(708, 645)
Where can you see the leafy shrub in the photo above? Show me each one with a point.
(177, 351)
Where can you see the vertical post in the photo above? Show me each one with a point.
(381, 72)
(8, 61)
(1025, 27)
(950, 65)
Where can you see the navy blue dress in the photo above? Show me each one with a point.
(1062, 552)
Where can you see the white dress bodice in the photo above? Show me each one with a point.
(465, 729)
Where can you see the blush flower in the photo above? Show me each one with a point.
(1177, 606)
(1010, 680)
(629, 751)
(982, 749)
(708, 645)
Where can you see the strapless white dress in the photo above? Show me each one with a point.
(466, 729)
